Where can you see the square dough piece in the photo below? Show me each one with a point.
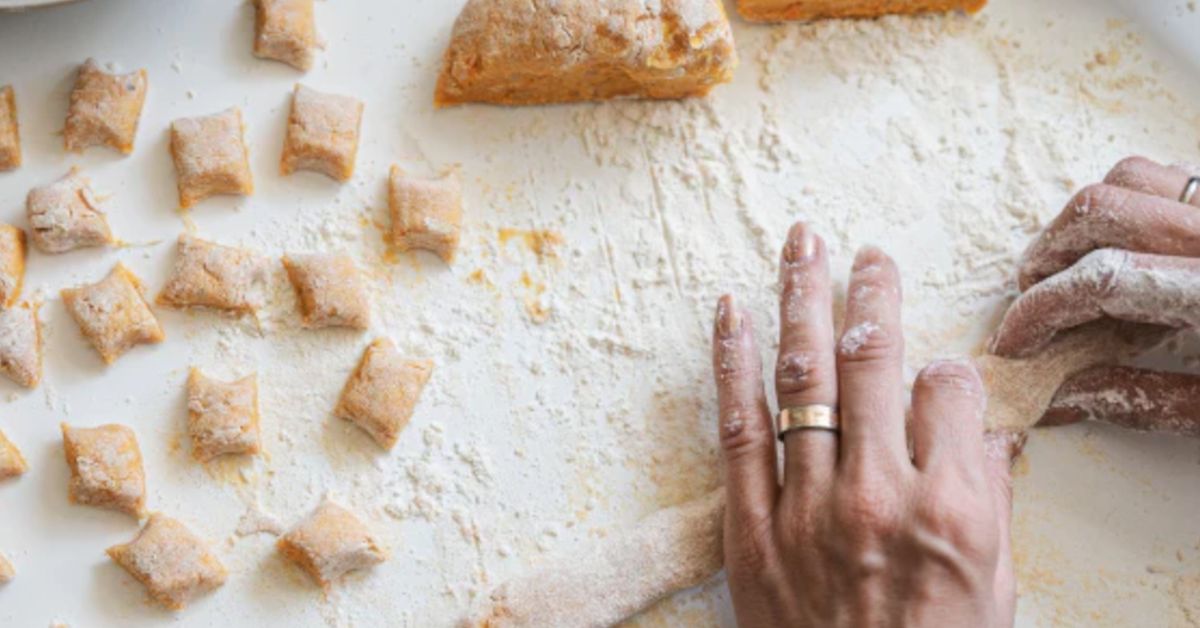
(169, 560)
(113, 314)
(222, 416)
(330, 291)
(322, 134)
(105, 109)
(12, 264)
(383, 392)
(780, 10)
(330, 543)
(210, 156)
(10, 135)
(7, 571)
(12, 463)
(426, 213)
(284, 30)
(65, 215)
(106, 468)
(21, 345)
(207, 274)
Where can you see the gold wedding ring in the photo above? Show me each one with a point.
(811, 417)
(1189, 190)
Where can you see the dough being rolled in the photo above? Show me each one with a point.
(779, 10)
(528, 52)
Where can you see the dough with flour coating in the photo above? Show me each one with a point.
(780, 10)
(330, 543)
(12, 463)
(21, 345)
(113, 314)
(172, 562)
(105, 109)
(10, 134)
(106, 468)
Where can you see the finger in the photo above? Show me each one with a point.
(1134, 398)
(1002, 450)
(947, 410)
(1148, 177)
(747, 435)
(1106, 216)
(870, 357)
(806, 371)
(1133, 287)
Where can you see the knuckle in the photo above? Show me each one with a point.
(741, 435)
(797, 372)
(868, 345)
(960, 514)
(868, 516)
(1127, 171)
(955, 376)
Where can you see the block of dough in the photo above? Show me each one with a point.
(113, 314)
(780, 10)
(169, 560)
(426, 213)
(210, 156)
(12, 463)
(284, 30)
(222, 416)
(7, 571)
(10, 134)
(330, 543)
(12, 264)
(106, 468)
(21, 345)
(330, 290)
(219, 277)
(65, 215)
(383, 391)
(322, 134)
(529, 52)
(105, 109)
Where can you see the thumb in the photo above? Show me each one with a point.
(1002, 449)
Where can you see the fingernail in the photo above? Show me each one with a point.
(801, 245)
(729, 319)
(868, 257)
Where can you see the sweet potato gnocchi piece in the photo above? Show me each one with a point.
(284, 30)
(106, 468)
(65, 215)
(12, 463)
(330, 543)
(169, 560)
(105, 109)
(322, 134)
(330, 290)
(12, 264)
(10, 134)
(207, 274)
(426, 213)
(222, 416)
(21, 345)
(113, 314)
(210, 156)
(383, 391)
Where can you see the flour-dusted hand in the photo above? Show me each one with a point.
(862, 531)
(1126, 249)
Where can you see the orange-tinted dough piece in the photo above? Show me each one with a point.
(105, 109)
(12, 264)
(528, 52)
(65, 215)
(12, 463)
(780, 10)
(426, 213)
(210, 156)
(21, 345)
(284, 30)
(10, 133)
(322, 134)
(211, 275)
(330, 543)
(383, 391)
(106, 468)
(169, 560)
(113, 314)
(222, 416)
(330, 291)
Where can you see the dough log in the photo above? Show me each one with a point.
(780, 10)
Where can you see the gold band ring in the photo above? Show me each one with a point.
(811, 417)
(1189, 190)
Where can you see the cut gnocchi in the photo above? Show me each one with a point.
(383, 391)
(10, 134)
(12, 264)
(284, 30)
(105, 109)
(12, 463)
(21, 345)
(65, 215)
(330, 543)
(322, 134)
(330, 291)
(222, 416)
(210, 275)
(426, 213)
(106, 468)
(113, 314)
(169, 560)
(210, 156)
(7, 572)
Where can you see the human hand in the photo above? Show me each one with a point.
(1129, 249)
(862, 532)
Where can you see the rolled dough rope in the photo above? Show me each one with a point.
(777, 10)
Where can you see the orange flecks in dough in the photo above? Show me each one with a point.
(541, 242)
